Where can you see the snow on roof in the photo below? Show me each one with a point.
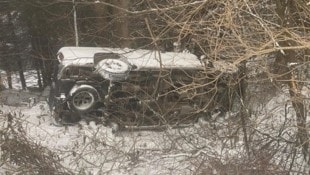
(87, 52)
(142, 59)
(154, 59)
(225, 66)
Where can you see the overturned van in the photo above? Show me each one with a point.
(137, 87)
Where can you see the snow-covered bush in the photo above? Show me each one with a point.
(21, 155)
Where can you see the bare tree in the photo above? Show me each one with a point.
(121, 22)
(267, 40)
(292, 14)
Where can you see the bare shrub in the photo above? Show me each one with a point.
(21, 155)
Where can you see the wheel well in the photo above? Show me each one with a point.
(77, 87)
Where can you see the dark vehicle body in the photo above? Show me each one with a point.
(134, 87)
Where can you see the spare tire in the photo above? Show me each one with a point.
(113, 69)
(83, 98)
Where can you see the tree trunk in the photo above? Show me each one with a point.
(285, 10)
(39, 79)
(244, 114)
(121, 25)
(101, 21)
(44, 77)
(1, 84)
(21, 74)
(301, 118)
(9, 78)
(296, 98)
(76, 34)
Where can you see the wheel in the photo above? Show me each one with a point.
(83, 98)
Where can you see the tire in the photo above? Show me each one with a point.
(83, 98)
(113, 69)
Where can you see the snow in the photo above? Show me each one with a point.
(142, 59)
(30, 77)
(225, 66)
(81, 86)
(156, 60)
(90, 148)
(112, 69)
(78, 61)
(96, 149)
(113, 66)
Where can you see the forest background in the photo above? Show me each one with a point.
(267, 39)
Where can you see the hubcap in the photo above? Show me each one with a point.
(83, 100)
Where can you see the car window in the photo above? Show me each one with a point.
(76, 72)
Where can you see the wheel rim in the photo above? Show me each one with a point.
(83, 100)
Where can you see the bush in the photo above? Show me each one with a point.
(20, 155)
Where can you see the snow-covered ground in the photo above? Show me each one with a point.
(30, 77)
(214, 147)
(94, 149)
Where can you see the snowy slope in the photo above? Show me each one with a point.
(214, 147)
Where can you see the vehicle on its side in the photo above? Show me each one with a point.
(134, 87)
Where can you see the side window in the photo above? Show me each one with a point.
(76, 72)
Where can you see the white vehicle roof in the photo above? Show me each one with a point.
(142, 59)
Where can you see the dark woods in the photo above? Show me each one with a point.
(273, 34)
